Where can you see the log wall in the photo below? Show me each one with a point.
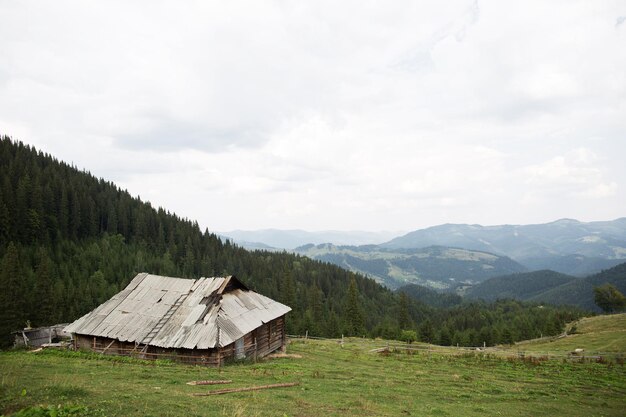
(257, 344)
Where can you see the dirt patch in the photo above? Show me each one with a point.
(284, 355)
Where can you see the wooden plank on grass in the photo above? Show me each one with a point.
(231, 390)
(208, 382)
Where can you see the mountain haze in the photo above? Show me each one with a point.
(291, 239)
(596, 245)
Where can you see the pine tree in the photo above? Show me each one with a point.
(332, 325)
(12, 296)
(355, 325)
(404, 318)
(426, 331)
(45, 309)
(445, 338)
(288, 290)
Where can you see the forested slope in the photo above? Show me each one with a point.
(580, 292)
(68, 241)
(518, 286)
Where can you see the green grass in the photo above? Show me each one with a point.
(604, 334)
(334, 381)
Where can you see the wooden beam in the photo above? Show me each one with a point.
(108, 346)
(231, 390)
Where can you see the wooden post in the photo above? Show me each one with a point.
(255, 350)
(94, 343)
(342, 340)
(306, 335)
(284, 337)
(219, 350)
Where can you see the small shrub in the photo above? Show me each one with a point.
(408, 336)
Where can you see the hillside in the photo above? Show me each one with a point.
(69, 241)
(543, 246)
(549, 287)
(521, 286)
(580, 292)
(436, 267)
(605, 333)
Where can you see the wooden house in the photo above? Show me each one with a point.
(200, 321)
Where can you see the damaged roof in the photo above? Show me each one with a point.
(171, 312)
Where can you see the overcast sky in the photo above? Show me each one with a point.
(351, 115)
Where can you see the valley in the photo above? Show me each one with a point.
(435, 267)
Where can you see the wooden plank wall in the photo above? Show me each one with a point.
(269, 338)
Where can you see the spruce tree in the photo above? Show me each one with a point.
(404, 318)
(355, 325)
(44, 313)
(426, 331)
(12, 296)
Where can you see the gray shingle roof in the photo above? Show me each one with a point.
(179, 313)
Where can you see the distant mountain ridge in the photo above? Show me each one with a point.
(436, 266)
(596, 245)
(290, 239)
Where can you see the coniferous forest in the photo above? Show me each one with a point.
(69, 241)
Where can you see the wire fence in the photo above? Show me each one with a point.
(384, 346)
(250, 352)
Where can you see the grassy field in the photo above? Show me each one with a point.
(334, 381)
(599, 334)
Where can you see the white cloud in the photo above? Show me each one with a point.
(329, 115)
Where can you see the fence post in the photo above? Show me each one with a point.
(306, 335)
(255, 350)
(342, 340)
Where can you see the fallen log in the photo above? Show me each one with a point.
(231, 390)
(208, 382)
